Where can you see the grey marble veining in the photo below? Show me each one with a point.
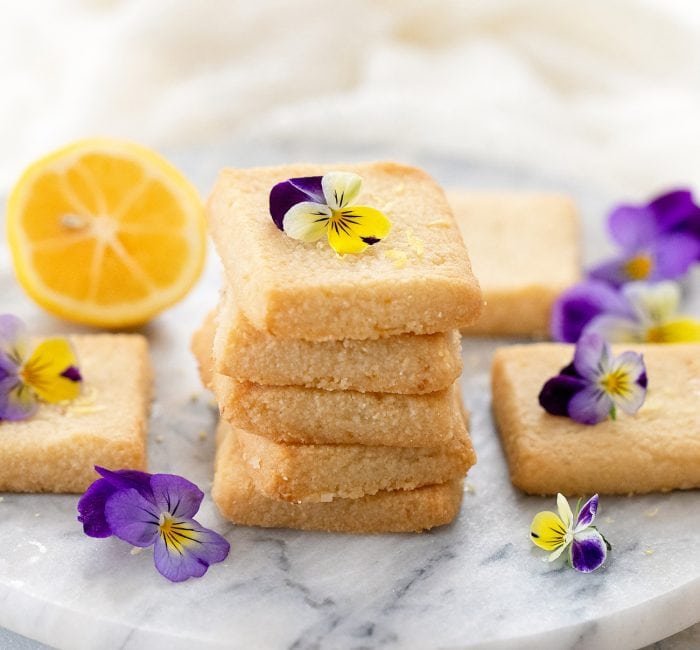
(478, 583)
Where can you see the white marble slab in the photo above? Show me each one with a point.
(476, 584)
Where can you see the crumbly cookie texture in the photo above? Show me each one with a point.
(295, 414)
(55, 450)
(417, 280)
(321, 473)
(394, 364)
(525, 249)
(658, 449)
(398, 511)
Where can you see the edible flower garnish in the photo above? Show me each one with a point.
(153, 510)
(48, 372)
(658, 240)
(554, 532)
(640, 312)
(308, 208)
(596, 384)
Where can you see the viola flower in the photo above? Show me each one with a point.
(578, 306)
(48, 373)
(652, 318)
(596, 384)
(153, 510)
(658, 240)
(308, 208)
(554, 532)
(640, 312)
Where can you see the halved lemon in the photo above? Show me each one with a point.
(106, 233)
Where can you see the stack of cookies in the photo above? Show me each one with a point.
(336, 375)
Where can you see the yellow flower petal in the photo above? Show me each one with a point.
(353, 229)
(547, 531)
(682, 330)
(42, 372)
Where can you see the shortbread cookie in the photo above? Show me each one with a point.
(394, 364)
(306, 473)
(295, 414)
(658, 449)
(525, 249)
(315, 416)
(55, 450)
(385, 512)
(418, 279)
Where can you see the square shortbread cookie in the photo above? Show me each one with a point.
(385, 512)
(295, 414)
(525, 250)
(55, 450)
(313, 473)
(417, 280)
(405, 363)
(658, 449)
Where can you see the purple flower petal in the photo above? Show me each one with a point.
(592, 353)
(633, 227)
(580, 304)
(17, 401)
(176, 495)
(612, 272)
(588, 550)
(587, 513)
(590, 406)
(92, 508)
(127, 479)
(187, 549)
(288, 193)
(13, 338)
(558, 392)
(132, 518)
(673, 255)
(672, 209)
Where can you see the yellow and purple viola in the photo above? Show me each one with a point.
(309, 208)
(153, 510)
(47, 372)
(591, 388)
(639, 312)
(557, 532)
(659, 240)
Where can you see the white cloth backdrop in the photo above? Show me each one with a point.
(603, 91)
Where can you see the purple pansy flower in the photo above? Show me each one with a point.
(596, 384)
(554, 532)
(153, 510)
(658, 240)
(307, 208)
(47, 372)
(639, 312)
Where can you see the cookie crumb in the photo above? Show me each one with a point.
(648, 551)
(651, 513)
(202, 435)
(135, 550)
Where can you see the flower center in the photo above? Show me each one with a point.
(30, 376)
(639, 267)
(615, 383)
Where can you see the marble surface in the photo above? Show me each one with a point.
(478, 583)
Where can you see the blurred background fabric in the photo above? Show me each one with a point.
(604, 92)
